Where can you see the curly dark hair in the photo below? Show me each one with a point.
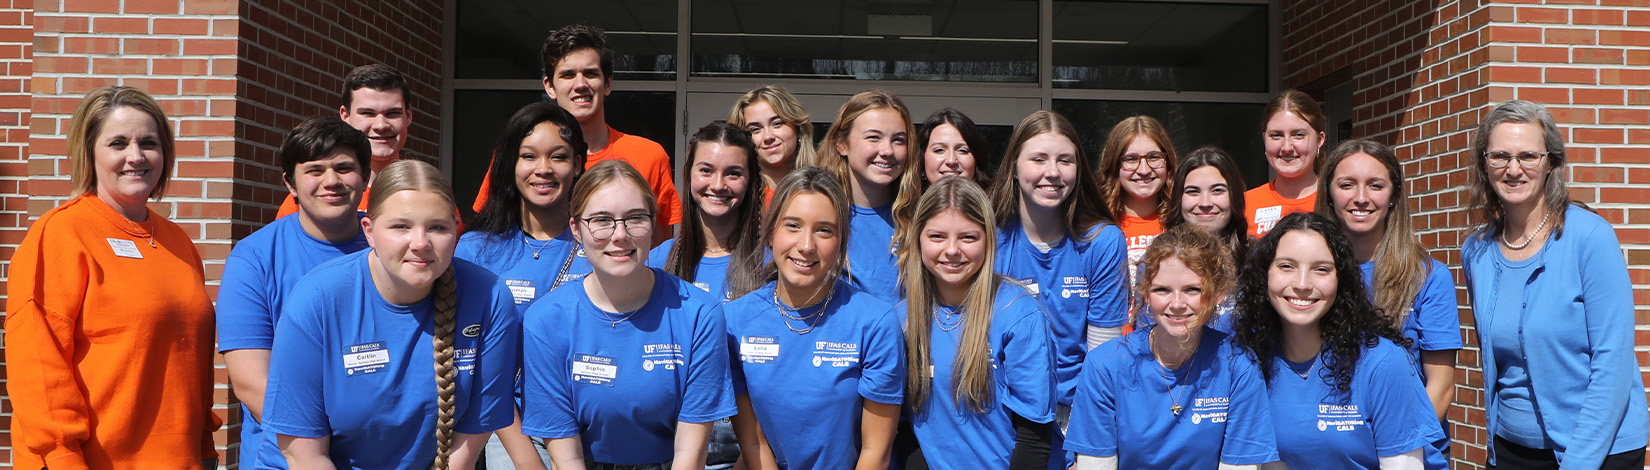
(1351, 324)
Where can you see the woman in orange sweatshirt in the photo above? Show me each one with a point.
(108, 323)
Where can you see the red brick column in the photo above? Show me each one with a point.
(16, 62)
(1425, 73)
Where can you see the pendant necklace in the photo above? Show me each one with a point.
(1168, 374)
(951, 320)
(811, 320)
(536, 250)
(1308, 373)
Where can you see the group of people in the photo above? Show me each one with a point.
(878, 299)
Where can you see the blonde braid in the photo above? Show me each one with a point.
(446, 375)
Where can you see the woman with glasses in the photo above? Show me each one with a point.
(627, 367)
(1294, 137)
(821, 368)
(1136, 165)
(1554, 306)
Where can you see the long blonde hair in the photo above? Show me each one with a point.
(1401, 264)
(788, 108)
(972, 383)
(414, 175)
(87, 123)
(909, 188)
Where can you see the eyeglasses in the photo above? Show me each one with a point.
(602, 226)
(1154, 160)
(1525, 159)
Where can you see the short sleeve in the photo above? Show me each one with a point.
(882, 366)
(547, 395)
(1108, 257)
(1399, 410)
(1436, 313)
(1250, 438)
(1093, 430)
(246, 316)
(492, 398)
(295, 396)
(1028, 362)
(708, 395)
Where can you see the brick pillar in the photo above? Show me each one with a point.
(1426, 72)
(16, 61)
(232, 77)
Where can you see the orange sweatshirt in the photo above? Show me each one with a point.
(646, 156)
(108, 344)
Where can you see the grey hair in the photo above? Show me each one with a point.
(1555, 195)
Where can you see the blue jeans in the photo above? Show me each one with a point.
(496, 458)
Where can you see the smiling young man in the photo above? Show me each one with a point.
(578, 75)
(324, 163)
(375, 100)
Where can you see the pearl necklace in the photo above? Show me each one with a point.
(1527, 238)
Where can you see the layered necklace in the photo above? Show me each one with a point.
(811, 320)
(952, 318)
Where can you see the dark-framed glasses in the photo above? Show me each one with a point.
(1154, 160)
(602, 227)
(1525, 159)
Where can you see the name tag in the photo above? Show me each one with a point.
(125, 248)
(522, 290)
(758, 349)
(1266, 217)
(594, 370)
(366, 358)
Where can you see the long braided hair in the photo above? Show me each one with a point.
(413, 175)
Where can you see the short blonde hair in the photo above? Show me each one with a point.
(87, 123)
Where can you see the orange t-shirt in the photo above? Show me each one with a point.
(1264, 207)
(646, 156)
(108, 343)
(1138, 233)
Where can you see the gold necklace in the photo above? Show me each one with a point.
(1165, 372)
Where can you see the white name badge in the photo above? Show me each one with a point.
(758, 349)
(1266, 217)
(125, 248)
(366, 358)
(521, 290)
(594, 370)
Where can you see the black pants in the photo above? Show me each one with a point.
(1516, 457)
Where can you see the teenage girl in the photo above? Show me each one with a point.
(522, 235)
(1344, 392)
(1293, 133)
(821, 369)
(1364, 185)
(1174, 393)
(983, 394)
(868, 148)
(1056, 237)
(1207, 188)
(718, 248)
(952, 145)
(628, 366)
(781, 130)
(324, 163)
(398, 356)
(108, 325)
(1135, 165)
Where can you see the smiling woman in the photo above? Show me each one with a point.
(97, 282)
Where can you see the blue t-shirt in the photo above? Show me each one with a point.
(512, 257)
(1432, 323)
(1387, 413)
(621, 382)
(1125, 402)
(952, 435)
(855, 350)
(259, 273)
(353, 367)
(1081, 282)
(712, 275)
(871, 262)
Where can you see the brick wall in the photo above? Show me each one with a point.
(231, 76)
(1425, 72)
